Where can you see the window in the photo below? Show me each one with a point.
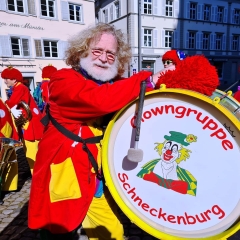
(20, 47)
(220, 14)
(147, 6)
(15, 5)
(206, 41)
(192, 40)
(206, 12)
(193, 11)
(50, 49)
(117, 9)
(169, 8)
(75, 12)
(236, 16)
(148, 66)
(168, 38)
(218, 45)
(147, 36)
(48, 8)
(235, 43)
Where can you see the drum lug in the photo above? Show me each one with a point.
(163, 87)
(216, 100)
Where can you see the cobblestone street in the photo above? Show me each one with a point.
(13, 216)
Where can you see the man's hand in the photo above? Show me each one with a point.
(16, 112)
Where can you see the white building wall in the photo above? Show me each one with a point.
(37, 27)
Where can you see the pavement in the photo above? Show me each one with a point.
(13, 215)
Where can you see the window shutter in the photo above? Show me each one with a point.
(25, 6)
(232, 18)
(38, 48)
(65, 10)
(198, 45)
(175, 38)
(163, 38)
(188, 10)
(213, 13)
(3, 5)
(62, 47)
(187, 40)
(142, 34)
(5, 46)
(142, 6)
(231, 42)
(224, 42)
(199, 11)
(238, 43)
(120, 6)
(155, 38)
(225, 15)
(212, 41)
(135, 5)
(176, 8)
(26, 47)
(31, 7)
(155, 7)
(111, 13)
(163, 8)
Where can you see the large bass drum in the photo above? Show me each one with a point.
(187, 186)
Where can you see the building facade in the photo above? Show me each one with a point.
(34, 33)
(204, 27)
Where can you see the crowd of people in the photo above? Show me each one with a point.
(74, 104)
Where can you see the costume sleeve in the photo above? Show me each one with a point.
(77, 97)
(19, 94)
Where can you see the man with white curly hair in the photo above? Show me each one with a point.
(67, 185)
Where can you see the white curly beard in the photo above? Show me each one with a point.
(98, 70)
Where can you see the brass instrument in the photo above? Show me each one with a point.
(8, 157)
(20, 121)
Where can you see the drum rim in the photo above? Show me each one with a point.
(110, 184)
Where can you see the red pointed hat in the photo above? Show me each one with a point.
(48, 71)
(174, 55)
(12, 73)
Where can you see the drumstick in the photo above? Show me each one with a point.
(135, 154)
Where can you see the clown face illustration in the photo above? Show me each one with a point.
(170, 152)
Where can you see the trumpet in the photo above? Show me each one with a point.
(20, 121)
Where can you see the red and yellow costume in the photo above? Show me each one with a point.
(59, 202)
(8, 130)
(237, 94)
(33, 129)
(47, 72)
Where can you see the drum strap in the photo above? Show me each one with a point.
(92, 140)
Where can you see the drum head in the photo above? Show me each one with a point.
(186, 186)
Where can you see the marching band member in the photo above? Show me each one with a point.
(237, 94)
(32, 129)
(67, 186)
(41, 93)
(193, 72)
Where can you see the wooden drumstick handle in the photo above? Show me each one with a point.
(135, 154)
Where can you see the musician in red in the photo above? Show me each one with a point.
(237, 94)
(33, 129)
(67, 187)
(41, 93)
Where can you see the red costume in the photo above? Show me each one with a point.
(194, 73)
(79, 110)
(47, 72)
(34, 130)
(7, 128)
(237, 94)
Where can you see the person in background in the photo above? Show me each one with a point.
(41, 93)
(237, 94)
(32, 130)
(67, 185)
